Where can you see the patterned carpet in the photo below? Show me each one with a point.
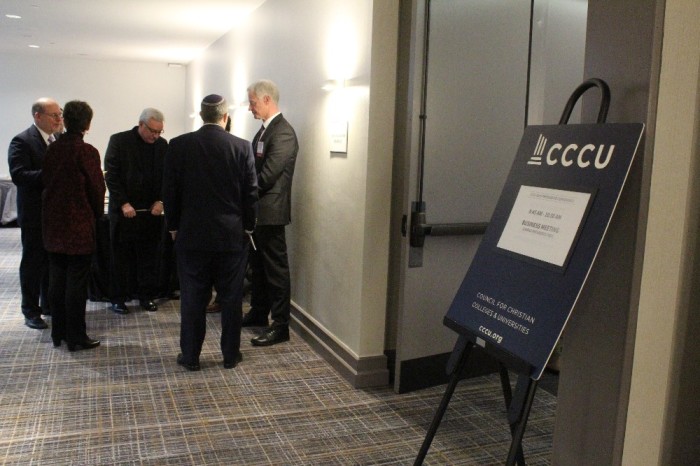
(128, 402)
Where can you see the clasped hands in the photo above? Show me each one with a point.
(129, 212)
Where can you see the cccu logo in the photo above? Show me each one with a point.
(571, 154)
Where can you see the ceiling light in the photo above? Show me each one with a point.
(13, 16)
(32, 46)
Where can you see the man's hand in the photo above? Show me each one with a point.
(157, 208)
(128, 211)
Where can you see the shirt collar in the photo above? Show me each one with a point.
(43, 134)
(267, 122)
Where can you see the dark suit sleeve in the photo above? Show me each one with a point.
(171, 192)
(19, 159)
(249, 191)
(114, 176)
(280, 151)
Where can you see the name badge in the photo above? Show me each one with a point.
(259, 149)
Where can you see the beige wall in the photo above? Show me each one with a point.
(670, 254)
(338, 239)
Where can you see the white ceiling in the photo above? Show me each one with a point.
(168, 31)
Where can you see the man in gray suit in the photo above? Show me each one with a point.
(210, 195)
(25, 158)
(275, 147)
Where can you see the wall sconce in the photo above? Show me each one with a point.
(333, 84)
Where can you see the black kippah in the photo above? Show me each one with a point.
(212, 99)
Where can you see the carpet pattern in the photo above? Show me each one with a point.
(128, 402)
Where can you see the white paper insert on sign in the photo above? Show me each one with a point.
(543, 223)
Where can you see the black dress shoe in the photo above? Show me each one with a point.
(234, 363)
(120, 308)
(148, 305)
(251, 320)
(271, 336)
(83, 345)
(35, 322)
(57, 341)
(187, 365)
(213, 307)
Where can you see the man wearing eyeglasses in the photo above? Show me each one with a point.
(25, 159)
(134, 176)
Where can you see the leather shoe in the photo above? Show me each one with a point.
(88, 343)
(35, 322)
(148, 305)
(271, 336)
(57, 341)
(234, 363)
(213, 307)
(187, 365)
(120, 308)
(251, 320)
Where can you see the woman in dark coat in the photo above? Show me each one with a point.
(73, 199)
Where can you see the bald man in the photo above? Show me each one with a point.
(25, 158)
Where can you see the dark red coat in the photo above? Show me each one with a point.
(73, 197)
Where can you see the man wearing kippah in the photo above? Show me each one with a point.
(210, 193)
(275, 147)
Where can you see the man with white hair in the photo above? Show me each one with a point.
(134, 166)
(275, 147)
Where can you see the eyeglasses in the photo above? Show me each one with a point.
(56, 116)
(154, 132)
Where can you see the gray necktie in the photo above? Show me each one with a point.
(51, 138)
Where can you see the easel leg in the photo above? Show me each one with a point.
(455, 367)
(508, 397)
(517, 416)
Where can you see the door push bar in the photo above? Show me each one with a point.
(420, 229)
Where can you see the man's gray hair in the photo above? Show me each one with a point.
(151, 113)
(265, 87)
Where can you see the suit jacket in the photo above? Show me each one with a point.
(73, 196)
(275, 169)
(210, 190)
(25, 158)
(134, 174)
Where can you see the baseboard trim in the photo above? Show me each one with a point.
(359, 372)
(429, 371)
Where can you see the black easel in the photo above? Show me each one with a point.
(518, 404)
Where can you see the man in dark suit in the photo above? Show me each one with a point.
(134, 166)
(275, 147)
(210, 193)
(25, 159)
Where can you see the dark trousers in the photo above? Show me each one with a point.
(134, 269)
(34, 273)
(198, 272)
(271, 284)
(68, 289)
(167, 266)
